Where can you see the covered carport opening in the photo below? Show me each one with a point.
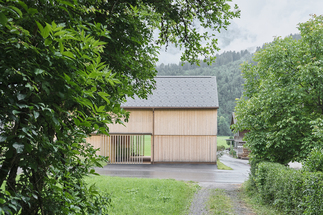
(123, 148)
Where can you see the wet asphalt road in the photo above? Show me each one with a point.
(187, 172)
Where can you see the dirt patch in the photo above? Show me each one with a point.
(239, 205)
(198, 206)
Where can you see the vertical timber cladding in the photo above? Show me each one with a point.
(140, 121)
(185, 135)
(121, 149)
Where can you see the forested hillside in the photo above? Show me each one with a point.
(227, 71)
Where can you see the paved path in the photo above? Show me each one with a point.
(202, 173)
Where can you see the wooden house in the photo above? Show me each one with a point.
(238, 143)
(180, 117)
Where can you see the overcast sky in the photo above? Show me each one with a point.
(260, 22)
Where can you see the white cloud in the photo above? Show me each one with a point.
(259, 23)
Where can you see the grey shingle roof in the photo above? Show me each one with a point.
(180, 92)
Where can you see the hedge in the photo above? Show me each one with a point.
(292, 191)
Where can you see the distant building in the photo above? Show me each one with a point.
(180, 117)
(238, 143)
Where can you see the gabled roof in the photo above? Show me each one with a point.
(180, 92)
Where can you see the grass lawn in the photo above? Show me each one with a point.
(221, 141)
(147, 146)
(222, 166)
(146, 196)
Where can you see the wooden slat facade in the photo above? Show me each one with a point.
(185, 122)
(178, 135)
(140, 121)
(185, 149)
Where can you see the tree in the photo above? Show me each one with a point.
(223, 127)
(283, 96)
(65, 68)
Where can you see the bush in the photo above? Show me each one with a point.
(292, 191)
(314, 162)
(253, 167)
(220, 148)
(232, 152)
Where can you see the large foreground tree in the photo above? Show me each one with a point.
(65, 68)
(282, 105)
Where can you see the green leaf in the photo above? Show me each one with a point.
(25, 130)
(68, 54)
(15, 112)
(67, 3)
(54, 25)
(58, 33)
(104, 96)
(75, 152)
(67, 77)
(75, 145)
(45, 32)
(29, 86)
(32, 11)
(18, 12)
(101, 109)
(61, 47)
(77, 122)
(39, 26)
(93, 89)
(36, 114)
(48, 41)
(21, 96)
(19, 147)
(23, 5)
(39, 71)
(3, 19)
(28, 147)
(3, 138)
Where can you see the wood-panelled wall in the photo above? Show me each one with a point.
(140, 121)
(185, 149)
(185, 122)
(179, 135)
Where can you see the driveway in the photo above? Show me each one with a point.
(204, 173)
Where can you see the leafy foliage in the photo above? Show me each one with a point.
(289, 190)
(283, 95)
(66, 66)
(314, 162)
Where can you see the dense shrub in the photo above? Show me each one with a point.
(220, 148)
(253, 166)
(314, 162)
(292, 191)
